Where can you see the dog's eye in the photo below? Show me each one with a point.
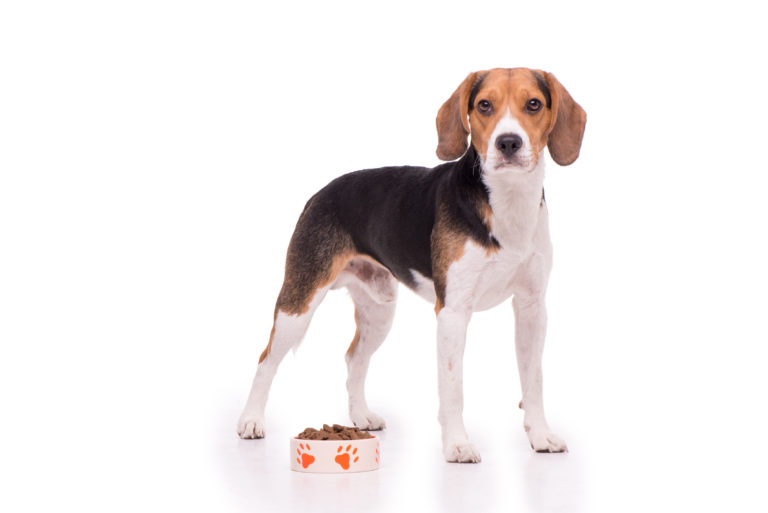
(484, 107)
(533, 105)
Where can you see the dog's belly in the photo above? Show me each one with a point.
(424, 287)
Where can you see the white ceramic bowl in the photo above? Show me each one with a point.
(335, 456)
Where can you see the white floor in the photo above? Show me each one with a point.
(644, 434)
(622, 466)
(413, 475)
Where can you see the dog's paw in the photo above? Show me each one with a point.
(545, 441)
(367, 420)
(461, 453)
(250, 427)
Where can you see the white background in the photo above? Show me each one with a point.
(154, 156)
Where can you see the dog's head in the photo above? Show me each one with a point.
(511, 115)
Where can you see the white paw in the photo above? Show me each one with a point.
(543, 440)
(250, 426)
(461, 453)
(367, 420)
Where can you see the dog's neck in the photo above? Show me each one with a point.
(515, 199)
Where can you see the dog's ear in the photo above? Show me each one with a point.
(567, 127)
(452, 122)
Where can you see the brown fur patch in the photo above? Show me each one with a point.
(569, 120)
(267, 349)
(452, 127)
(356, 338)
(486, 213)
(302, 281)
(447, 247)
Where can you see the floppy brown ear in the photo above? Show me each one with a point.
(452, 123)
(569, 120)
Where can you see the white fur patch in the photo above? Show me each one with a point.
(515, 200)
(374, 320)
(424, 286)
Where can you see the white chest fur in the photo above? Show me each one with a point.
(481, 279)
(505, 272)
(515, 199)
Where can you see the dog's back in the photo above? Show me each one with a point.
(386, 214)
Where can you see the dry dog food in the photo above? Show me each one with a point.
(335, 432)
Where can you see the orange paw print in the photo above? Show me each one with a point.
(304, 458)
(343, 457)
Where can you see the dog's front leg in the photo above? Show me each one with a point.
(451, 337)
(530, 329)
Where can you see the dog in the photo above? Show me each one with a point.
(465, 235)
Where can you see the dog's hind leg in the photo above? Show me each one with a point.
(374, 292)
(317, 254)
(287, 332)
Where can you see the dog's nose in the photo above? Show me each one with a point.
(508, 144)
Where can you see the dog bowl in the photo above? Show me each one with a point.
(335, 456)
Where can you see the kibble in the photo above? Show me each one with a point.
(335, 432)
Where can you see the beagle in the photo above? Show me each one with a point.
(465, 235)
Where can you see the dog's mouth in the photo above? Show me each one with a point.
(515, 163)
(502, 163)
